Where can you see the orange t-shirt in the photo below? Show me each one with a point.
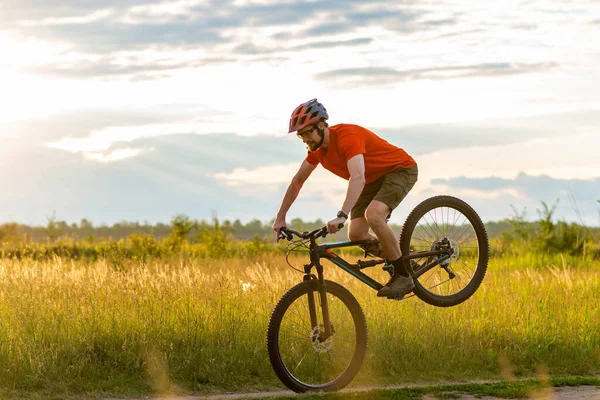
(347, 141)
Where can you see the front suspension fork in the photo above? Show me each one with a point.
(318, 285)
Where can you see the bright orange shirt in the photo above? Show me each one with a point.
(347, 141)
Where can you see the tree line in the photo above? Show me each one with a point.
(545, 234)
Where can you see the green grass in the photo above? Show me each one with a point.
(183, 326)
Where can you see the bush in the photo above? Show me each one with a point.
(545, 235)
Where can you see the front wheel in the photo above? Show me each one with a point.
(302, 355)
(446, 222)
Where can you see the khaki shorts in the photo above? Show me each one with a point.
(390, 189)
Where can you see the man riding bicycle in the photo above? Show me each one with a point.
(379, 176)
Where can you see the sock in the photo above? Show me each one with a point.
(399, 267)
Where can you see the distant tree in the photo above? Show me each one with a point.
(519, 225)
(560, 236)
(297, 223)
(181, 226)
(53, 228)
(85, 225)
(9, 232)
(87, 230)
(237, 225)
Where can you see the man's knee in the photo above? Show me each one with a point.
(375, 217)
(359, 229)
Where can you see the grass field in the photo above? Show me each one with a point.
(181, 326)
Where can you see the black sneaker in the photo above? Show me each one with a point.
(397, 286)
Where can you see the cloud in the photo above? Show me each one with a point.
(136, 68)
(17, 11)
(102, 140)
(215, 152)
(463, 32)
(115, 66)
(115, 40)
(112, 39)
(93, 131)
(329, 29)
(492, 197)
(543, 186)
(250, 48)
(261, 182)
(174, 175)
(98, 33)
(115, 155)
(78, 20)
(433, 138)
(78, 124)
(332, 43)
(492, 174)
(384, 75)
(572, 197)
(243, 177)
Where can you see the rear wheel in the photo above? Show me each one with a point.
(302, 356)
(446, 222)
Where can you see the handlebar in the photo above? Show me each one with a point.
(287, 233)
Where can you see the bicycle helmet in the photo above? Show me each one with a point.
(307, 114)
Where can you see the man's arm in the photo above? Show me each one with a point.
(291, 194)
(356, 167)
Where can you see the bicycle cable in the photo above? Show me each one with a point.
(291, 247)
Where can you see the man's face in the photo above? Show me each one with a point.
(310, 136)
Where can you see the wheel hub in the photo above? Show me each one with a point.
(452, 245)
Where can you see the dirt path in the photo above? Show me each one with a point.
(561, 393)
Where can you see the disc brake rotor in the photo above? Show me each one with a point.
(318, 345)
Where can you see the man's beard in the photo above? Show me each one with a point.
(314, 146)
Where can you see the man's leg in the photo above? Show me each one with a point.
(359, 229)
(394, 188)
(376, 214)
(401, 282)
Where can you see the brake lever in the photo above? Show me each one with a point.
(324, 232)
(285, 235)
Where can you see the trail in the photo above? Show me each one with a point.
(550, 393)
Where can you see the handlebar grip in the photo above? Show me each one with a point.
(285, 234)
(340, 226)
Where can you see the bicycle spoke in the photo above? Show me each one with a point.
(309, 359)
(447, 223)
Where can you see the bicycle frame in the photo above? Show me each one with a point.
(317, 252)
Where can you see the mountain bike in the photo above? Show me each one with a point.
(317, 333)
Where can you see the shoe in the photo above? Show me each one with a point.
(397, 286)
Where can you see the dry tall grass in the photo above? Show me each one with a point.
(180, 326)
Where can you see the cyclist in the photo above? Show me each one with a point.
(379, 176)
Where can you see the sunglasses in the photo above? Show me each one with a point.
(307, 132)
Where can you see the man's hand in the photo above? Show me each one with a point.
(332, 226)
(277, 225)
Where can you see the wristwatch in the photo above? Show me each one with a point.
(342, 214)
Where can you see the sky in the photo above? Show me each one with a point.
(139, 110)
